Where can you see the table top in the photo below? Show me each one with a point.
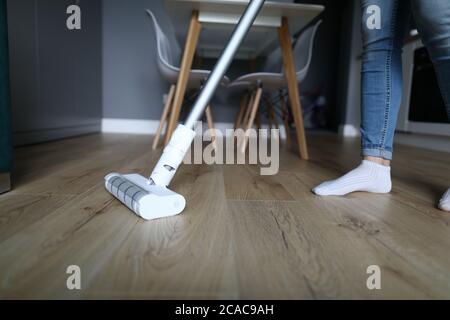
(218, 18)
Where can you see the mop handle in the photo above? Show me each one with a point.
(224, 62)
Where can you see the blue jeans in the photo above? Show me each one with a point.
(381, 72)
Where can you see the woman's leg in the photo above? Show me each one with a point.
(433, 22)
(381, 96)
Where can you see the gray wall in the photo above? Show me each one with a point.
(132, 87)
(5, 103)
(55, 73)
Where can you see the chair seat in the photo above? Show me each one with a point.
(196, 78)
(269, 80)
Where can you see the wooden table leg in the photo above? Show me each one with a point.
(244, 100)
(164, 115)
(291, 78)
(248, 109)
(185, 70)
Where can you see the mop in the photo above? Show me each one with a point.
(150, 198)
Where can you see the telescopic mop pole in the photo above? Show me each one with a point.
(183, 136)
(224, 62)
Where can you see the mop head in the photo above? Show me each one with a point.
(146, 200)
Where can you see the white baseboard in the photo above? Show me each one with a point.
(133, 126)
(430, 142)
(349, 130)
(438, 129)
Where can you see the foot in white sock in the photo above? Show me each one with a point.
(444, 204)
(369, 177)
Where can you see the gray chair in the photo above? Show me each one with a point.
(268, 80)
(170, 72)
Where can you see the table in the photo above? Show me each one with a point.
(210, 25)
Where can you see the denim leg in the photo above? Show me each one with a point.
(433, 22)
(381, 74)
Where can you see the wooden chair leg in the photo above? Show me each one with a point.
(291, 78)
(248, 108)
(274, 119)
(209, 119)
(254, 110)
(258, 121)
(164, 116)
(244, 100)
(269, 113)
(285, 113)
(185, 70)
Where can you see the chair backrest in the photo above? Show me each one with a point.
(303, 48)
(273, 62)
(164, 50)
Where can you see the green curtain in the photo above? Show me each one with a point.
(5, 109)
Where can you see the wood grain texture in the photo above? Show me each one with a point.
(242, 235)
(291, 80)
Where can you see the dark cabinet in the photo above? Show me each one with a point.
(5, 117)
(56, 73)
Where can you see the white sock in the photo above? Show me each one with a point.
(369, 177)
(444, 204)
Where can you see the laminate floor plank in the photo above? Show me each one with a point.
(187, 256)
(242, 235)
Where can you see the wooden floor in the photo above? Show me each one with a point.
(242, 236)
